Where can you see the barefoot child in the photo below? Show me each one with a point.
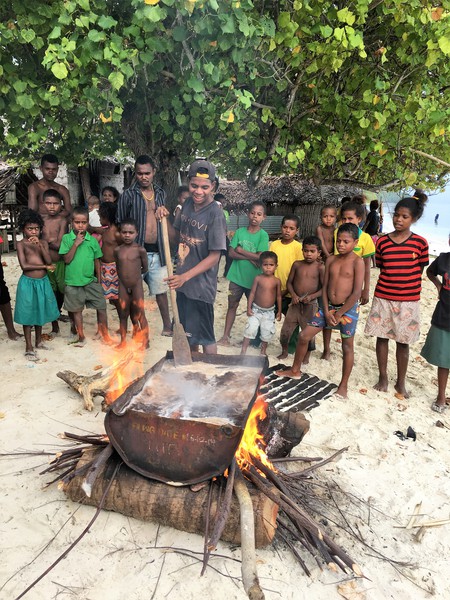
(288, 249)
(437, 345)
(245, 249)
(111, 238)
(325, 231)
(132, 263)
(55, 226)
(49, 169)
(5, 304)
(35, 301)
(81, 254)
(305, 286)
(343, 280)
(264, 296)
(401, 256)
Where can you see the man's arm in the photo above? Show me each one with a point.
(144, 260)
(33, 197)
(67, 210)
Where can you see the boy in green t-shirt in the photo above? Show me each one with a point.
(81, 253)
(245, 248)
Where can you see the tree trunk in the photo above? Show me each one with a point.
(168, 177)
(133, 495)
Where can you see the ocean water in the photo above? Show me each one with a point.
(437, 235)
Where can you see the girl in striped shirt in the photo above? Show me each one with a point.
(401, 256)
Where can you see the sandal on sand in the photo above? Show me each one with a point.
(439, 408)
(166, 333)
(31, 355)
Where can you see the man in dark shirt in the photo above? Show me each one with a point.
(142, 202)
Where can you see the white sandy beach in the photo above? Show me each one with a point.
(122, 558)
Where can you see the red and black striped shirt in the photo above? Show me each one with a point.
(401, 267)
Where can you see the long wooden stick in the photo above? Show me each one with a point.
(249, 572)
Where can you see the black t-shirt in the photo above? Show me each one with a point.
(373, 223)
(441, 315)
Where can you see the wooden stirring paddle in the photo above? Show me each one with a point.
(180, 345)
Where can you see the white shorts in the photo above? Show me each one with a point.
(263, 319)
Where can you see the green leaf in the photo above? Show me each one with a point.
(228, 26)
(84, 4)
(96, 36)
(20, 86)
(364, 123)
(116, 79)
(55, 33)
(326, 31)
(444, 44)
(179, 33)
(106, 22)
(59, 70)
(27, 35)
(195, 84)
(25, 101)
(284, 19)
(346, 16)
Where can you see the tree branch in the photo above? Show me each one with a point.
(430, 156)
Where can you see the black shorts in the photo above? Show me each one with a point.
(4, 292)
(197, 318)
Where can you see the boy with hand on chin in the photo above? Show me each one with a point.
(132, 262)
(201, 229)
(81, 253)
(343, 281)
(265, 292)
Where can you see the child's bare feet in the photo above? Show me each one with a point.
(400, 389)
(289, 373)
(326, 355)
(342, 391)
(31, 355)
(381, 385)
(120, 345)
(73, 329)
(105, 339)
(42, 346)
(224, 341)
(283, 354)
(78, 341)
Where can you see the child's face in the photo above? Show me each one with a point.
(108, 196)
(350, 216)
(328, 217)
(268, 266)
(128, 233)
(310, 253)
(345, 243)
(53, 206)
(31, 230)
(80, 223)
(201, 190)
(256, 216)
(182, 197)
(402, 219)
(49, 170)
(289, 230)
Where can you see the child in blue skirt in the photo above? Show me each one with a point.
(437, 345)
(35, 300)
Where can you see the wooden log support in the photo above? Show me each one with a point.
(133, 495)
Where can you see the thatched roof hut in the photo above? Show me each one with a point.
(286, 195)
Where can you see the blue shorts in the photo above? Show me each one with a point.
(262, 319)
(154, 278)
(347, 325)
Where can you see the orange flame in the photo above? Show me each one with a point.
(252, 442)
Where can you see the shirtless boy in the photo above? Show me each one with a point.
(305, 286)
(132, 262)
(343, 281)
(325, 231)
(265, 292)
(49, 169)
(55, 226)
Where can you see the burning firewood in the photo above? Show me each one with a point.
(102, 383)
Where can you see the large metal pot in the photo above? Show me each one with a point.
(185, 449)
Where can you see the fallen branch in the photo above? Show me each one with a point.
(249, 572)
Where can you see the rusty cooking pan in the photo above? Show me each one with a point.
(182, 425)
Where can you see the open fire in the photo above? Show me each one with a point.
(252, 443)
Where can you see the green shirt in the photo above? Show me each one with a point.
(243, 272)
(81, 270)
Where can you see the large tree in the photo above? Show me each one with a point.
(354, 90)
